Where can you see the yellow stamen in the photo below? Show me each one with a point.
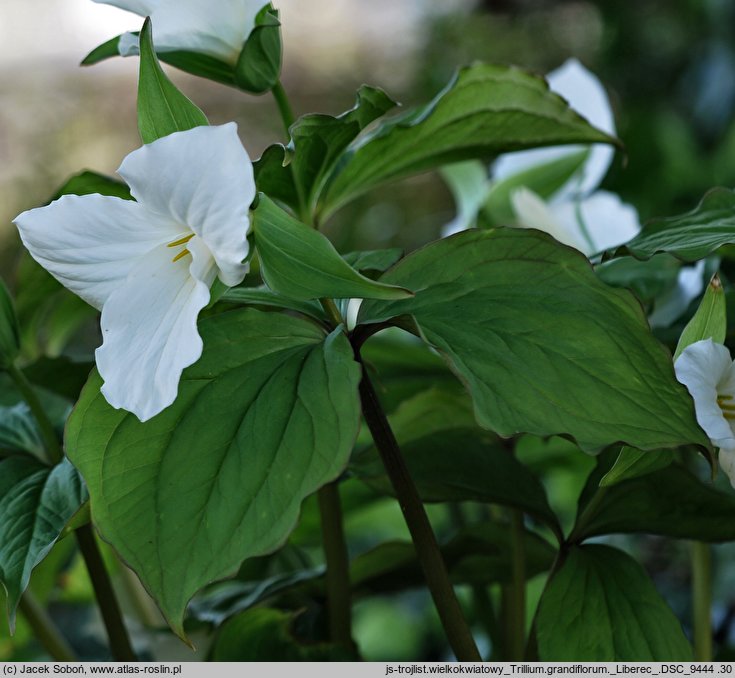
(723, 397)
(180, 255)
(181, 241)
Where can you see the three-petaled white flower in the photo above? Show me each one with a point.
(148, 264)
(708, 372)
(218, 28)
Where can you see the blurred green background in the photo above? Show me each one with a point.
(669, 66)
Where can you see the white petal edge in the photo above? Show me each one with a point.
(139, 7)
(90, 243)
(671, 305)
(204, 181)
(128, 45)
(469, 185)
(532, 212)
(603, 220)
(586, 95)
(701, 367)
(149, 327)
(726, 460)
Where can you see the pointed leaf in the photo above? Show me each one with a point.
(483, 111)
(710, 320)
(162, 109)
(632, 463)
(543, 346)
(373, 260)
(267, 416)
(693, 235)
(36, 502)
(262, 296)
(88, 182)
(601, 606)
(301, 263)
(259, 64)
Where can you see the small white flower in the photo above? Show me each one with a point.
(214, 27)
(708, 372)
(148, 264)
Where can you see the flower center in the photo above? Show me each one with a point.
(727, 405)
(179, 242)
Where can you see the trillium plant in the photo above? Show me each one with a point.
(240, 420)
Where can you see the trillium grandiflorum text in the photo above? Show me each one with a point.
(707, 370)
(218, 29)
(148, 264)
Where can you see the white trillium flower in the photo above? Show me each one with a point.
(218, 28)
(148, 264)
(708, 372)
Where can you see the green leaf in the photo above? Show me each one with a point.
(710, 320)
(297, 174)
(9, 332)
(259, 64)
(543, 346)
(693, 235)
(632, 463)
(88, 182)
(648, 279)
(266, 635)
(670, 502)
(19, 431)
(262, 296)
(36, 502)
(601, 606)
(300, 263)
(267, 416)
(373, 260)
(480, 468)
(162, 109)
(107, 50)
(483, 111)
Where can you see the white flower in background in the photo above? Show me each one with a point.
(148, 265)
(708, 372)
(214, 27)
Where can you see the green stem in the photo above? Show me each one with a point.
(284, 106)
(117, 633)
(48, 435)
(45, 630)
(702, 600)
(338, 569)
(517, 628)
(330, 308)
(588, 513)
(430, 558)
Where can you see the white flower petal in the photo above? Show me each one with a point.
(140, 7)
(128, 44)
(670, 306)
(469, 184)
(701, 367)
(607, 220)
(587, 96)
(149, 326)
(90, 243)
(532, 212)
(216, 28)
(209, 191)
(726, 459)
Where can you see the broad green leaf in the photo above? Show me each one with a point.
(297, 174)
(543, 346)
(162, 109)
(648, 279)
(202, 65)
(670, 502)
(267, 416)
(693, 235)
(544, 180)
(265, 635)
(479, 467)
(710, 320)
(36, 502)
(262, 296)
(632, 463)
(373, 260)
(601, 606)
(19, 431)
(300, 263)
(9, 332)
(259, 64)
(88, 182)
(483, 111)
